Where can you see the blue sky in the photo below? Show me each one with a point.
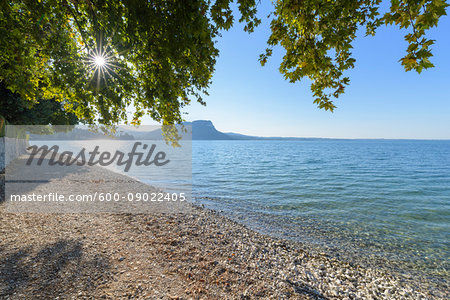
(382, 101)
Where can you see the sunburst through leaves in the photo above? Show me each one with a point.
(101, 66)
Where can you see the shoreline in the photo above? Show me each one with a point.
(200, 255)
(195, 255)
(313, 242)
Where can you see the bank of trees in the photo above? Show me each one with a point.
(90, 60)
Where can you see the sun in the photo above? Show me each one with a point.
(99, 61)
(101, 65)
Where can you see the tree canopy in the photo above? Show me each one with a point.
(22, 112)
(96, 58)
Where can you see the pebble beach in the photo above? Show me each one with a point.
(198, 254)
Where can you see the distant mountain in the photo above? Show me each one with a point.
(205, 130)
(238, 136)
(200, 129)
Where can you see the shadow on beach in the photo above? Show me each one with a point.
(57, 269)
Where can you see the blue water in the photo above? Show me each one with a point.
(381, 202)
(378, 202)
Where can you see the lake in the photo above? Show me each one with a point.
(382, 202)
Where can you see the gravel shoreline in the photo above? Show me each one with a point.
(194, 255)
